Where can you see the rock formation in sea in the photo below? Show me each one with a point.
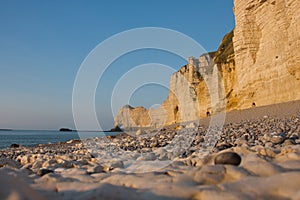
(256, 64)
(65, 130)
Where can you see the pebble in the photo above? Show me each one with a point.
(42, 172)
(223, 146)
(240, 142)
(24, 159)
(117, 164)
(96, 169)
(277, 139)
(289, 142)
(269, 144)
(228, 158)
(8, 162)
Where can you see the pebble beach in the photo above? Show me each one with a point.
(254, 155)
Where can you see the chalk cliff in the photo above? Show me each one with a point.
(267, 56)
(197, 88)
(258, 62)
(132, 117)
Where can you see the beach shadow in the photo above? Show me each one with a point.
(112, 192)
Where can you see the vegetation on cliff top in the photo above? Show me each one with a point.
(225, 49)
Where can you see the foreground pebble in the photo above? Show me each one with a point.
(228, 158)
(43, 172)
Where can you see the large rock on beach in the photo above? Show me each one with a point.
(228, 158)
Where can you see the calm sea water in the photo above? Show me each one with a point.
(29, 138)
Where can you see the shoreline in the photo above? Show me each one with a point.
(236, 116)
(36, 137)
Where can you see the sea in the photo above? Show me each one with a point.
(34, 137)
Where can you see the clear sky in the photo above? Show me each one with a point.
(43, 43)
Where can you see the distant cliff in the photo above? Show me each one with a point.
(257, 63)
(197, 88)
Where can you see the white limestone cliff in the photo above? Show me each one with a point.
(258, 62)
(267, 56)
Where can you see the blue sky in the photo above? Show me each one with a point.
(43, 43)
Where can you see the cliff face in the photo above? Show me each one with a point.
(267, 56)
(197, 88)
(258, 62)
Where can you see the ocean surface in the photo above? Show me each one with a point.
(34, 137)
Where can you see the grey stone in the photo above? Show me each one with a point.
(96, 169)
(117, 164)
(228, 158)
(42, 172)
